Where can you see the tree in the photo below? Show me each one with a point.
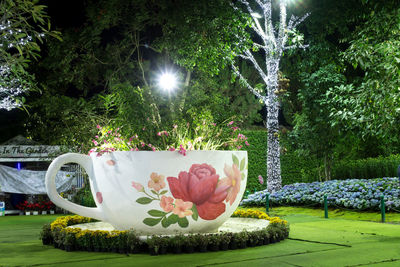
(369, 103)
(116, 54)
(311, 124)
(21, 28)
(274, 43)
(329, 30)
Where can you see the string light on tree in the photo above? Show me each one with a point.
(23, 25)
(11, 85)
(274, 41)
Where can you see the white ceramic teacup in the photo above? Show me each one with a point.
(160, 192)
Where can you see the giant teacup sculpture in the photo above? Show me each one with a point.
(160, 192)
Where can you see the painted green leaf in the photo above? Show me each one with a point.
(163, 192)
(195, 214)
(144, 200)
(242, 163)
(235, 160)
(156, 213)
(173, 218)
(247, 166)
(165, 223)
(183, 222)
(151, 221)
(154, 192)
(242, 176)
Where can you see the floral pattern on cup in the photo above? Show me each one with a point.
(99, 197)
(157, 181)
(200, 186)
(196, 193)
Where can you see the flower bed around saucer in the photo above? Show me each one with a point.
(58, 234)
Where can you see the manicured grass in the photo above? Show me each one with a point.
(373, 216)
(313, 241)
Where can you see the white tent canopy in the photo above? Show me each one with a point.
(31, 182)
(22, 149)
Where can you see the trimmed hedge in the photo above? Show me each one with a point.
(367, 168)
(257, 157)
(74, 239)
(296, 169)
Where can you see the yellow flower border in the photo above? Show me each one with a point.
(59, 234)
(62, 223)
(250, 213)
(65, 221)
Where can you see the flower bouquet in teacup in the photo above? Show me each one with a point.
(182, 184)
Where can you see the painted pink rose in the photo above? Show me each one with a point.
(199, 186)
(99, 197)
(138, 186)
(182, 208)
(166, 203)
(231, 182)
(157, 181)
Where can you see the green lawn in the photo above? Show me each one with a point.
(373, 216)
(313, 241)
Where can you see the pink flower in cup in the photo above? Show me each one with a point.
(166, 203)
(199, 186)
(182, 150)
(138, 187)
(156, 181)
(182, 208)
(232, 182)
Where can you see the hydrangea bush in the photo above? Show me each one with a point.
(359, 194)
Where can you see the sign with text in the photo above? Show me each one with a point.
(16, 151)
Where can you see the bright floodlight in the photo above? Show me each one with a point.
(167, 81)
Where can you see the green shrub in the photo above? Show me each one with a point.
(366, 168)
(298, 169)
(84, 197)
(58, 234)
(294, 169)
(257, 156)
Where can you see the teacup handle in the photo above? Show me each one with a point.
(54, 167)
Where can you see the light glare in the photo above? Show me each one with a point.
(167, 81)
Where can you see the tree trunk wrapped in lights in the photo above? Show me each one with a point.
(273, 44)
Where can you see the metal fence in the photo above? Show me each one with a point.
(79, 174)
